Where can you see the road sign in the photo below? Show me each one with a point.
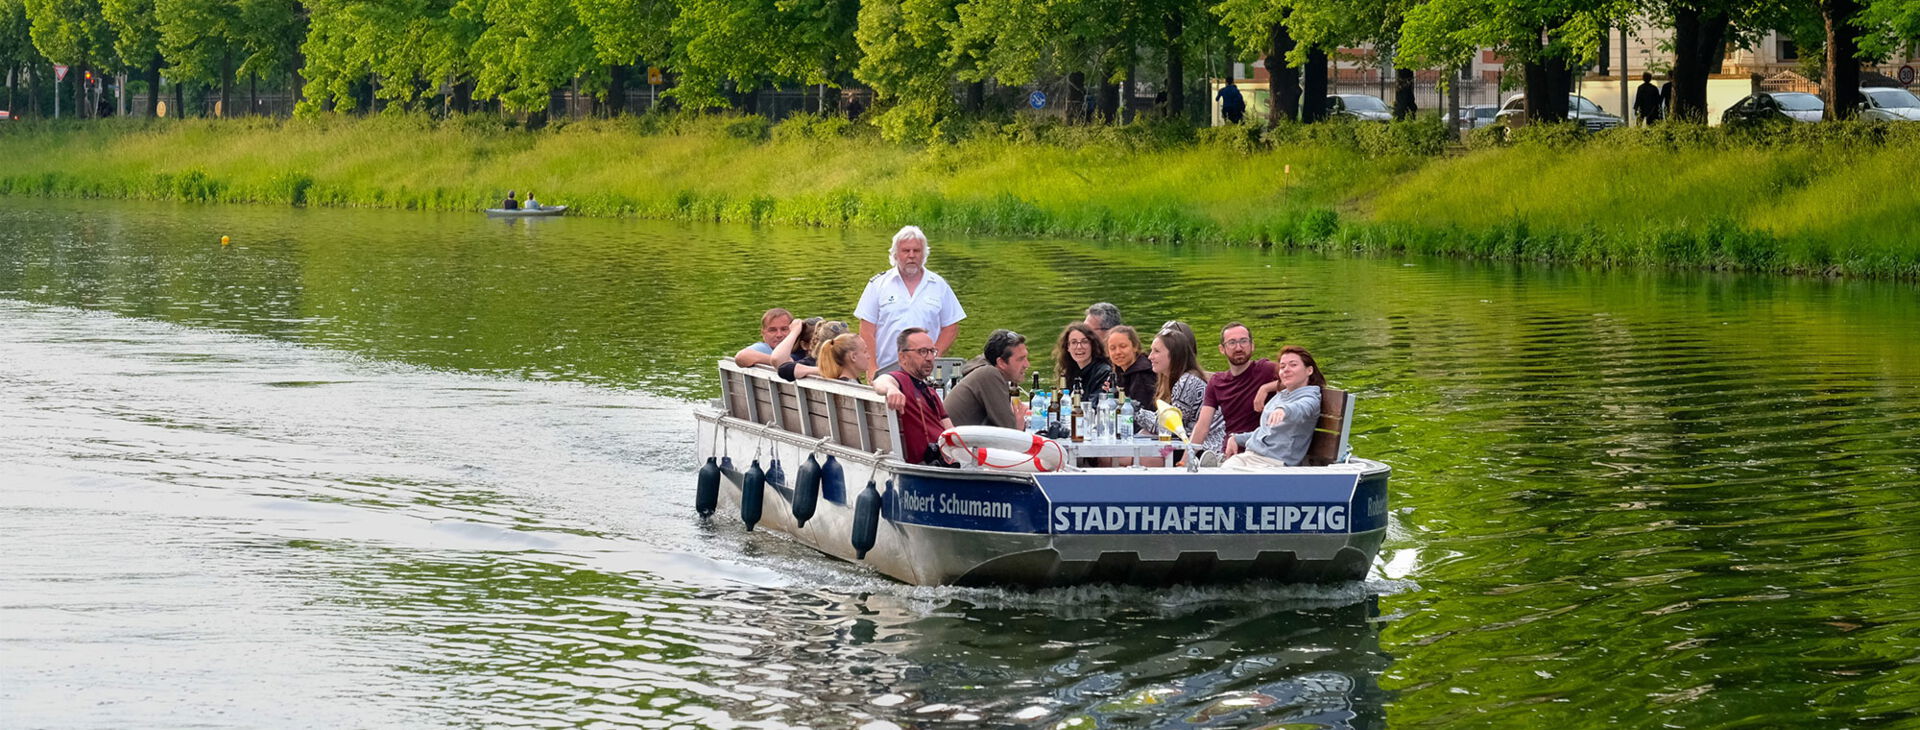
(1037, 100)
(654, 76)
(59, 73)
(1906, 76)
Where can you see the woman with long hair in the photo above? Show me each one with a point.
(1286, 424)
(844, 357)
(1080, 361)
(1182, 384)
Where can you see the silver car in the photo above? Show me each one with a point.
(1474, 116)
(1358, 107)
(1793, 105)
(1889, 104)
(1579, 109)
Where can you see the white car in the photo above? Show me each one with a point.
(1793, 105)
(1579, 109)
(1889, 104)
(1474, 116)
(1358, 107)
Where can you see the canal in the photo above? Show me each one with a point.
(375, 468)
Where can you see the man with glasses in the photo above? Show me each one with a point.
(984, 396)
(907, 295)
(1231, 392)
(922, 416)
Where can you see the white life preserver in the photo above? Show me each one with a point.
(1004, 449)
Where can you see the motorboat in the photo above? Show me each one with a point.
(819, 461)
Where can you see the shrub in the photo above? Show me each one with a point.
(811, 128)
(751, 127)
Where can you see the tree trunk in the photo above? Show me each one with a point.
(1130, 87)
(1699, 41)
(179, 100)
(253, 94)
(1283, 81)
(77, 73)
(1109, 99)
(1313, 87)
(976, 96)
(1840, 77)
(1605, 66)
(1548, 82)
(1176, 84)
(1403, 104)
(617, 89)
(463, 96)
(153, 86)
(1076, 103)
(226, 83)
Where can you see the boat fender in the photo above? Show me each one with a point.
(833, 481)
(776, 477)
(866, 520)
(1001, 449)
(751, 494)
(707, 495)
(806, 490)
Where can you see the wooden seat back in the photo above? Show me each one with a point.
(848, 414)
(1329, 443)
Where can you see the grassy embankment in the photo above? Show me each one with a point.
(1839, 199)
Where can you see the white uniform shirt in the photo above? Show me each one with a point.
(886, 303)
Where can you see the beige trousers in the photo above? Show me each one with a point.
(1249, 461)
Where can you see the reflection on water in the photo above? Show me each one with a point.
(374, 468)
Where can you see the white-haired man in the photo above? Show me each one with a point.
(904, 297)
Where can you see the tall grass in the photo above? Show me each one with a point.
(1842, 202)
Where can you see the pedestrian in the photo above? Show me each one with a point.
(1647, 100)
(1233, 106)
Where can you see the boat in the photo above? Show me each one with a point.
(544, 210)
(818, 460)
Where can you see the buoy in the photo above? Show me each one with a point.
(806, 490)
(833, 481)
(751, 494)
(224, 240)
(866, 520)
(707, 496)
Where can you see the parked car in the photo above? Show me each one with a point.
(1766, 106)
(6, 116)
(1579, 109)
(1889, 104)
(1474, 116)
(1358, 107)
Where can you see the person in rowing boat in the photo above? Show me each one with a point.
(773, 328)
(510, 203)
(531, 203)
(1286, 424)
(1080, 360)
(907, 295)
(922, 416)
(844, 357)
(984, 396)
(1231, 393)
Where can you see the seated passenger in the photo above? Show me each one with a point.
(1181, 383)
(922, 416)
(1133, 374)
(510, 203)
(773, 328)
(844, 357)
(531, 203)
(1080, 361)
(795, 354)
(1231, 392)
(1286, 425)
(984, 396)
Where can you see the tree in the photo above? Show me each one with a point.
(18, 57)
(410, 46)
(1546, 38)
(136, 40)
(753, 43)
(74, 33)
(197, 38)
(626, 33)
(907, 56)
(527, 49)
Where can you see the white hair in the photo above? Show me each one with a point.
(909, 233)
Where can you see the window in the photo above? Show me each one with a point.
(1785, 50)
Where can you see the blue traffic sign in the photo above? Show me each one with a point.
(1037, 100)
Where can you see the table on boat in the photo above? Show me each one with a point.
(1134, 449)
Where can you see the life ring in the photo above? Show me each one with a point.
(1003, 449)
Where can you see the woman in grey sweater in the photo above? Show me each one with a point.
(1286, 424)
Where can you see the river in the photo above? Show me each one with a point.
(378, 468)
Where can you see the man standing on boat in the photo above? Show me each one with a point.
(922, 416)
(904, 297)
(984, 396)
(1231, 393)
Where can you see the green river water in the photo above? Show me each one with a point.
(379, 469)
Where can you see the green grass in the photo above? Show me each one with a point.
(1838, 199)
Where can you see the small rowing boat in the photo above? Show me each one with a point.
(544, 210)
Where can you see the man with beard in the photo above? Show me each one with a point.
(922, 416)
(906, 296)
(1231, 392)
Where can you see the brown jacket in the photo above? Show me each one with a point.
(982, 398)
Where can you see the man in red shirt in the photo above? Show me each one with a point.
(922, 416)
(1231, 392)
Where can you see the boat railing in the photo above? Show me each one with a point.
(1329, 443)
(847, 414)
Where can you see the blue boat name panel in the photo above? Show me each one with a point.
(967, 504)
(1133, 519)
(1174, 502)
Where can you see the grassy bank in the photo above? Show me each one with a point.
(1843, 200)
